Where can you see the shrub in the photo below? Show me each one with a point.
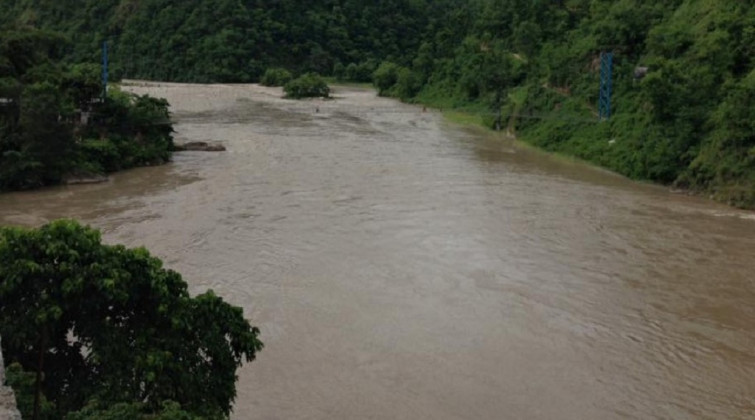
(309, 85)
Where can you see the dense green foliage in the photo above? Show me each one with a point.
(169, 410)
(24, 385)
(687, 122)
(230, 40)
(54, 124)
(276, 77)
(361, 73)
(107, 330)
(309, 85)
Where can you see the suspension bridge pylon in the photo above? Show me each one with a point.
(606, 85)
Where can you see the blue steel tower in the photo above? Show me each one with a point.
(606, 73)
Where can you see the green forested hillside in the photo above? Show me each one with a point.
(229, 40)
(689, 121)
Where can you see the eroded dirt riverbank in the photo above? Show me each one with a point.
(401, 268)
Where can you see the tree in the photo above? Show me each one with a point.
(84, 83)
(44, 131)
(385, 77)
(360, 72)
(275, 77)
(408, 83)
(100, 325)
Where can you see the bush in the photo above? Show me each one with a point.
(309, 85)
(276, 77)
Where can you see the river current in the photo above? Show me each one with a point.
(400, 267)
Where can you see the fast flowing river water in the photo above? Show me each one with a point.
(403, 268)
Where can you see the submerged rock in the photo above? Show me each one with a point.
(199, 146)
(86, 179)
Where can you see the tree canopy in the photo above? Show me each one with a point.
(107, 329)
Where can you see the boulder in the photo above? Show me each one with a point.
(199, 146)
(85, 179)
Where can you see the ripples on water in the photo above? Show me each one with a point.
(402, 268)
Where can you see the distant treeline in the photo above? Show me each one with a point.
(231, 40)
(686, 118)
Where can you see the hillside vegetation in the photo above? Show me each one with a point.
(688, 122)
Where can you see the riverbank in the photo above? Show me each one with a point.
(476, 116)
(738, 194)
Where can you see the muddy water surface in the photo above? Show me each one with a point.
(402, 268)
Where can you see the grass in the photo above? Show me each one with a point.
(479, 123)
(464, 118)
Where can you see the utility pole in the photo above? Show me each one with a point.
(606, 74)
(104, 71)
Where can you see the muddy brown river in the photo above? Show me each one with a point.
(403, 268)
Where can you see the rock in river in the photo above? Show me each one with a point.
(199, 146)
